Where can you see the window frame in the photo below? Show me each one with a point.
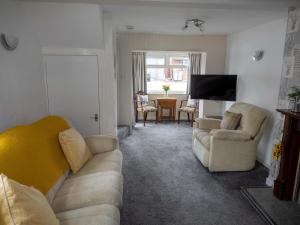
(167, 65)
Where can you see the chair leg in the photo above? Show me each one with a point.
(188, 116)
(193, 115)
(178, 117)
(174, 113)
(136, 116)
(145, 117)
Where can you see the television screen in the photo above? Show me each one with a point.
(214, 87)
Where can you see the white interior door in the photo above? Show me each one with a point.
(73, 90)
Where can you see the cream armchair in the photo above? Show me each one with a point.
(229, 150)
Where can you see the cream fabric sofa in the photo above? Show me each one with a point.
(229, 150)
(93, 195)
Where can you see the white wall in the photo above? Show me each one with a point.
(109, 91)
(69, 25)
(258, 81)
(213, 45)
(22, 96)
(38, 25)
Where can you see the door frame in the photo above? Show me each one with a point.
(55, 51)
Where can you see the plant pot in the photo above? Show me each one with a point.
(295, 105)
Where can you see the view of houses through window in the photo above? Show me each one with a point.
(167, 68)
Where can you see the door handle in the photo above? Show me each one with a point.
(95, 117)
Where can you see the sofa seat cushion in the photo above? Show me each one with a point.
(88, 190)
(202, 136)
(92, 215)
(102, 162)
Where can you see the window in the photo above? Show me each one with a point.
(167, 68)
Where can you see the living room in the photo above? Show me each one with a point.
(68, 81)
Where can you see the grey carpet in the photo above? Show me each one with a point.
(164, 184)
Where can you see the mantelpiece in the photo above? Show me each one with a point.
(286, 186)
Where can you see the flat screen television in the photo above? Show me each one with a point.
(214, 87)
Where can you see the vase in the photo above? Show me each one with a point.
(295, 105)
(166, 94)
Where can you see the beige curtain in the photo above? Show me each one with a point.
(195, 67)
(139, 72)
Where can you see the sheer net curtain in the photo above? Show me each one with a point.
(195, 68)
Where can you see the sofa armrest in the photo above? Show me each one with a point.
(207, 124)
(102, 143)
(232, 135)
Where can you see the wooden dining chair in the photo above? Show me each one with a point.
(188, 106)
(142, 104)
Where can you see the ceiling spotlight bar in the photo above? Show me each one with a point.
(196, 22)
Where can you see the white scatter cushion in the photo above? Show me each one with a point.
(191, 103)
(20, 204)
(144, 99)
(75, 149)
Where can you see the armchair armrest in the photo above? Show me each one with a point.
(207, 124)
(102, 143)
(232, 135)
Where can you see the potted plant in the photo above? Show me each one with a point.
(166, 88)
(294, 98)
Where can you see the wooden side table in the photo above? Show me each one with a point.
(166, 103)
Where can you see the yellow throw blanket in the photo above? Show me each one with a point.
(31, 154)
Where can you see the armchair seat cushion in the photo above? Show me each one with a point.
(88, 190)
(99, 214)
(102, 162)
(147, 108)
(187, 109)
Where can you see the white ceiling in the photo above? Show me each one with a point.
(170, 20)
(168, 16)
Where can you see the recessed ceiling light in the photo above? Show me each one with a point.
(129, 27)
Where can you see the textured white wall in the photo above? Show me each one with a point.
(213, 45)
(22, 96)
(68, 25)
(258, 81)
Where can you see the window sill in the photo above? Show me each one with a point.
(169, 93)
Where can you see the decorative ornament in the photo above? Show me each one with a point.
(9, 42)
